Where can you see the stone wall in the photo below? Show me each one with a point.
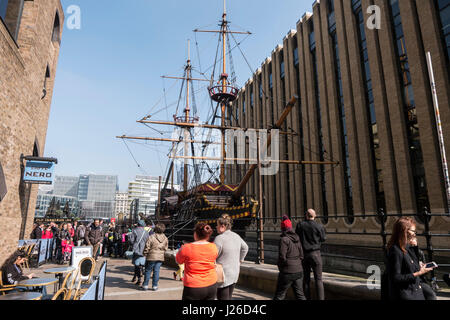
(23, 112)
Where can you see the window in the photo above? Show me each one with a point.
(321, 149)
(11, 14)
(343, 122)
(56, 36)
(282, 69)
(444, 13)
(370, 105)
(409, 105)
(47, 76)
(3, 189)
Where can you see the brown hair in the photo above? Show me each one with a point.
(225, 220)
(160, 228)
(399, 235)
(203, 231)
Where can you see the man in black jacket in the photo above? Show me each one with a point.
(311, 236)
(94, 237)
(290, 255)
(37, 231)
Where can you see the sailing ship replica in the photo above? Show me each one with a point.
(207, 201)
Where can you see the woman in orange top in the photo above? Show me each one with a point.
(199, 260)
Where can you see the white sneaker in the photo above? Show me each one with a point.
(155, 288)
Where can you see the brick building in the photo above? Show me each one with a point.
(365, 101)
(30, 36)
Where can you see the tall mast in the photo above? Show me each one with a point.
(224, 89)
(187, 111)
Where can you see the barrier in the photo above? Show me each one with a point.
(43, 251)
(91, 293)
(101, 282)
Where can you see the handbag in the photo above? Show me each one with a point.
(130, 253)
(220, 274)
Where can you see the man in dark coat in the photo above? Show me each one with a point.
(290, 255)
(37, 231)
(312, 234)
(94, 237)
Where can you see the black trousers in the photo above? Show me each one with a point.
(225, 293)
(313, 261)
(428, 292)
(287, 280)
(205, 293)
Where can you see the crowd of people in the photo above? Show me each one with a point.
(106, 239)
(210, 270)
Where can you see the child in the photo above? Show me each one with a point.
(179, 273)
(67, 246)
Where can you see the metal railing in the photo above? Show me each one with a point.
(183, 231)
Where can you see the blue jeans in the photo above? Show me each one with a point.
(149, 267)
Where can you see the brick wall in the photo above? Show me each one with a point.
(23, 112)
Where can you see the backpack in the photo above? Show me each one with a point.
(82, 231)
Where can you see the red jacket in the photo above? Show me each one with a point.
(47, 234)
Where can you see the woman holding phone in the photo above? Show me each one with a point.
(419, 257)
(404, 271)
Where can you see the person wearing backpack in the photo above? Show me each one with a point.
(79, 234)
(138, 239)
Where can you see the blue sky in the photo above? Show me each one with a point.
(109, 73)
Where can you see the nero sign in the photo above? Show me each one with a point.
(39, 172)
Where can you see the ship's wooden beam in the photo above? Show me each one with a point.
(184, 78)
(278, 124)
(294, 162)
(206, 126)
(166, 140)
(222, 31)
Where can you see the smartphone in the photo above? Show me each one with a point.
(431, 265)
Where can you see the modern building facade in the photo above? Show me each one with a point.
(67, 186)
(145, 188)
(44, 200)
(96, 195)
(30, 36)
(122, 204)
(365, 101)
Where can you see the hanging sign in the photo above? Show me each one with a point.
(38, 172)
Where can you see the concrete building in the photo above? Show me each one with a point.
(122, 204)
(30, 36)
(365, 101)
(145, 188)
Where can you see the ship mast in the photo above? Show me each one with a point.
(224, 84)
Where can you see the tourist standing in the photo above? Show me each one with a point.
(138, 239)
(155, 248)
(290, 256)
(47, 234)
(80, 234)
(199, 257)
(231, 253)
(63, 234)
(404, 272)
(94, 238)
(37, 231)
(419, 257)
(312, 235)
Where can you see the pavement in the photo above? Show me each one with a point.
(120, 272)
(119, 286)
